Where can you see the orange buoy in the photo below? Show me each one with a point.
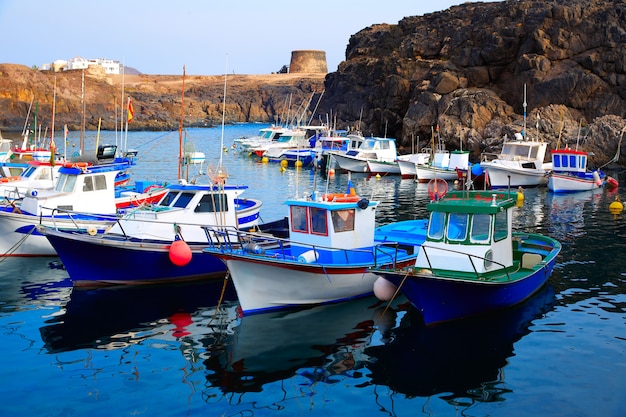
(180, 252)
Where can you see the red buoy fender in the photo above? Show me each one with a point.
(180, 253)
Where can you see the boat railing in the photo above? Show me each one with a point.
(75, 217)
(488, 156)
(470, 257)
(230, 239)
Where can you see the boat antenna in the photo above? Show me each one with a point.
(223, 113)
(524, 104)
(180, 125)
(578, 137)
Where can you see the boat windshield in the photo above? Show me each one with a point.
(457, 226)
(521, 150)
(343, 220)
(481, 228)
(436, 225)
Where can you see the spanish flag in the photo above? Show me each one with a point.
(131, 113)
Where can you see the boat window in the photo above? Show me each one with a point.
(88, 184)
(557, 161)
(319, 224)
(572, 161)
(457, 226)
(436, 225)
(533, 152)
(183, 200)
(343, 220)
(298, 219)
(501, 230)
(67, 183)
(100, 182)
(167, 200)
(212, 203)
(481, 226)
(43, 174)
(583, 161)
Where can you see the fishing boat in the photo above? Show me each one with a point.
(83, 198)
(444, 166)
(165, 238)
(331, 244)
(471, 262)
(519, 164)
(570, 174)
(382, 150)
(335, 141)
(407, 163)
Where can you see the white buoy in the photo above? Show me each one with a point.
(384, 289)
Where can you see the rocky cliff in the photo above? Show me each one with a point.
(157, 99)
(465, 70)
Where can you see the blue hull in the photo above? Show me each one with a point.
(441, 300)
(122, 262)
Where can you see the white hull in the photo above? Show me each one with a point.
(425, 174)
(262, 286)
(390, 168)
(567, 183)
(350, 163)
(27, 243)
(501, 176)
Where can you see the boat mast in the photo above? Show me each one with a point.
(524, 104)
(82, 109)
(180, 126)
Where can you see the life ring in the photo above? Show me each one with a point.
(76, 164)
(341, 198)
(9, 179)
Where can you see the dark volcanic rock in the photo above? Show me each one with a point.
(465, 68)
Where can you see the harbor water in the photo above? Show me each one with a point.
(185, 350)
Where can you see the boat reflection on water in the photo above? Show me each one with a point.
(318, 344)
(569, 212)
(462, 359)
(112, 317)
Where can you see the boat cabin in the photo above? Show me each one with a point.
(80, 187)
(380, 149)
(339, 221)
(186, 205)
(569, 160)
(532, 152)
(471, 230)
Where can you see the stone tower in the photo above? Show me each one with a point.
(308, 61)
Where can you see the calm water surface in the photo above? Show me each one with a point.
(183, 350)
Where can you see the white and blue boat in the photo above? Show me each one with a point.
(570, 174)
(83, 198)
(157, 243)
(471, 262)
(332, 243)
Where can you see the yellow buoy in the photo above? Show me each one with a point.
(377, 176)
(616, 206)
(520, 197)
(264, 160)
(283, 162)
(298, 163)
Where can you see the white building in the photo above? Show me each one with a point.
(109, 66)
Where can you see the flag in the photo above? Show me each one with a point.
(131, 113)
(65, 133)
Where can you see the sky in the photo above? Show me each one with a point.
(208, 37)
